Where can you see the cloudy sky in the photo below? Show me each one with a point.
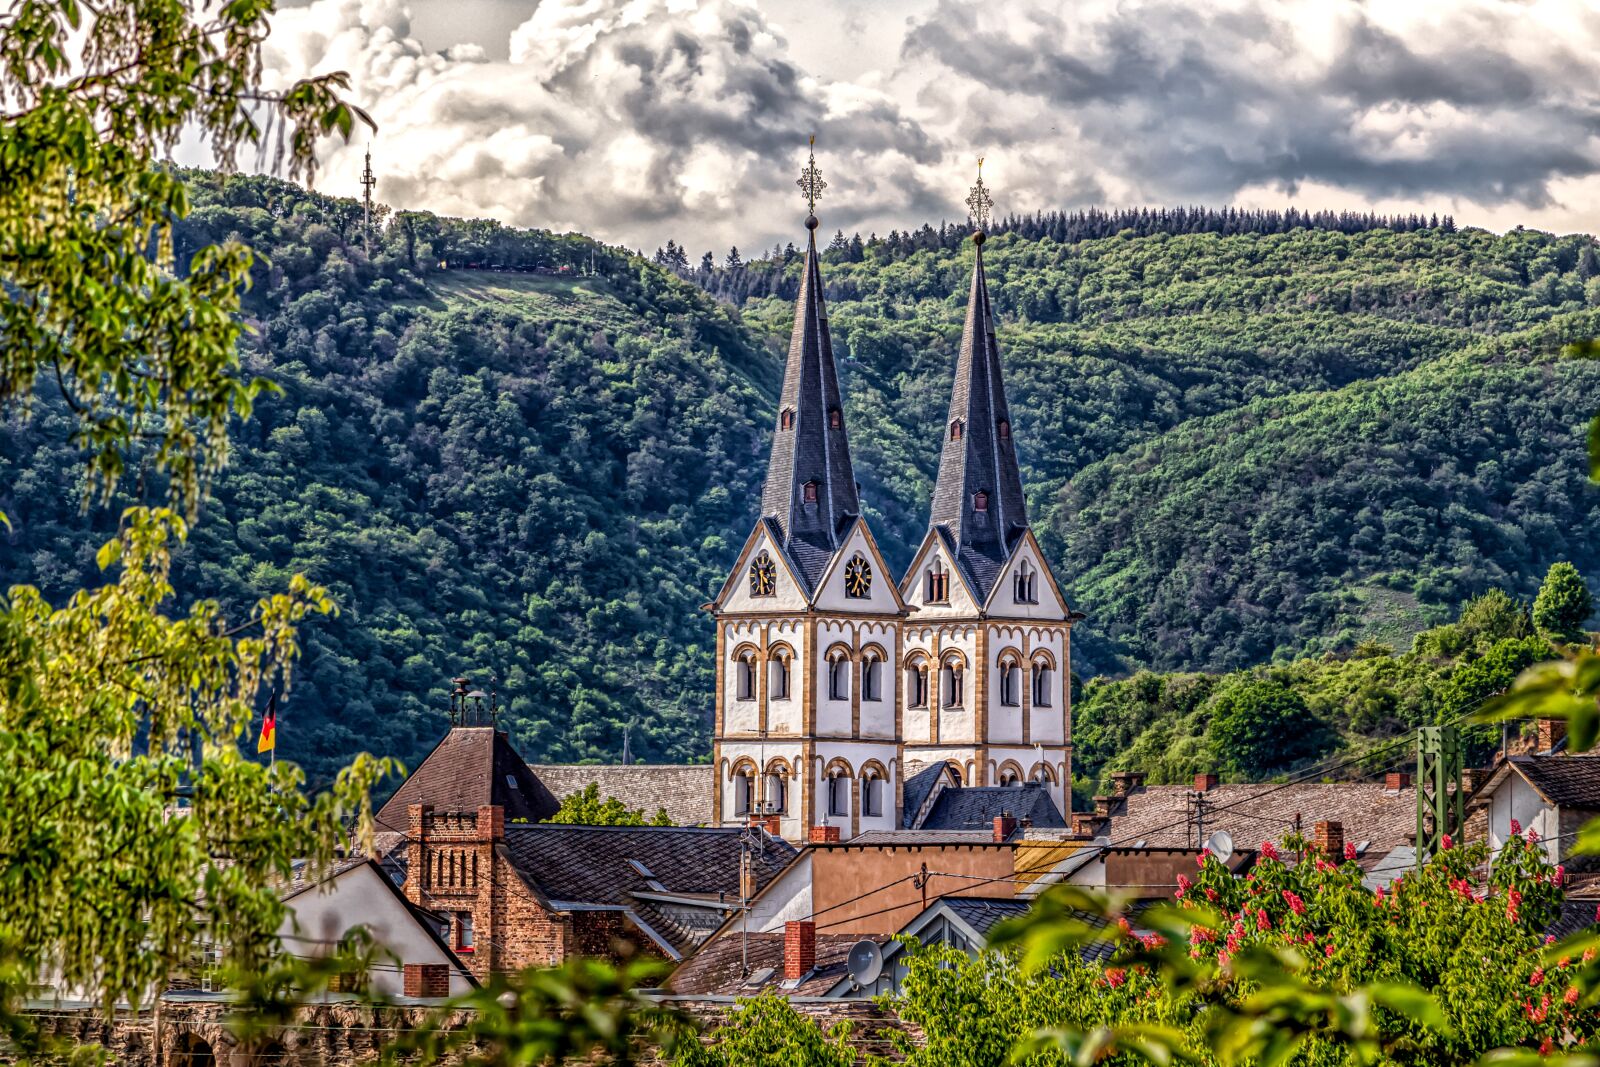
(640, 120)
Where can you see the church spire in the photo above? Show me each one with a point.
(978, 501)
(811, 487)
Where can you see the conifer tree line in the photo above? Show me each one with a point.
(738, 278)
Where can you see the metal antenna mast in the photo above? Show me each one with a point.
(367, 182)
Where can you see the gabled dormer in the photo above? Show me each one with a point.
(858, 580)
(1026, 588)
(934, 586)
(764, 579)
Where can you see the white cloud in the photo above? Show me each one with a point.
(639, 120)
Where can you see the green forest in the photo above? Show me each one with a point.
(531, 458)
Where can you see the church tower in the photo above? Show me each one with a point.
(987, 660)
(808, 622)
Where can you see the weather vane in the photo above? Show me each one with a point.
(811, 183)
(979, 201)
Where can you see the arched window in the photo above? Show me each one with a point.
(778, 675)
(1009, 777)
(835, 419)
(1042, 683)
(917, 684)
(811, 492)
(744, 790)
(950, 681)
(1010, 683)
(786, 419)
(955, 430)
(777, 792)
(1004, 429)
(870, 689)
(838, 676)
(980, 501)
(938, 583)
(871, 794)
(1025, 584)
(745, 676)
(838, 794)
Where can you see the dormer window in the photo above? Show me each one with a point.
(811, 492)
(1025, 586)
(955, 430)
(835, 419)
(1004, 429)
(786, 419)
(980, 501)
(938, 584)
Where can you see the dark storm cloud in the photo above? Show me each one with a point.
(1198, 105)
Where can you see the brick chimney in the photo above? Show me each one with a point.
(491, 823)
(427, 981)
(799, 949)
(1127, 783)
(824, 835)
(1328, 837)
(1395, 781)
(769, 823)
(1003, 827)
(1204, 783)
(1086, 824)
(1551, 733)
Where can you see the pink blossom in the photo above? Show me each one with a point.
(1446, 842)
(1513, 903)
(1588, 955)
(1571, 996)
(1202, 935)
(1545, 1046)
(1262, 922)
(1269, 851)
(1211, 894)
(1296, 905)
(1327, 951)
(1560, 875)
(1183, 886)
(1533, 836)
(1115, 976)
(1349, 851)
(1537, 976)
(1516, 828)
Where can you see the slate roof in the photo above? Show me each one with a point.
(976, 807)
(981, 459)
(985, 913)
(590, 864)
(1158, 814)
(917, 789)
(812, 449)
(1570, 781)
(471, 767)
(718, 969)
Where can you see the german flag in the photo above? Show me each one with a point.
(269, 727)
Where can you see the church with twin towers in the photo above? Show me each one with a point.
(847, 696)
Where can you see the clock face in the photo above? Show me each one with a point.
(763, 576)
(857, 578)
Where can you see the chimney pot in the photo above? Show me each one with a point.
(1204, 783)
(1003, 826)
(824, 835)
(799, 949)
(1395, 781)
(491, 823)
(769, 823)
(1551, 733)
(1328, 837)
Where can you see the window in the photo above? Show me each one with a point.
(938, 584)
(871, 795)
(839, 679)
(1041, 684)
(1004, 429)
(811, 492)
(917, 685)
(838, 794)
(1008, 777)
(744, 791)
(835, 419)
(463, 931)
(950, 679)
(1025, 584)
(980, 501)
(777, 792)
(869, 678)
(786, 420)
(955, 430)
(778, 678)
(745, 676)
(1010, 683)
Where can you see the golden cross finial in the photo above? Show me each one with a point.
(979, 202)
(811, 183)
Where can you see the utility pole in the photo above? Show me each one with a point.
(367, 182)
(1441, 800)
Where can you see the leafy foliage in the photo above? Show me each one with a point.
(585, 808)
(764, 1030)
(1563, 603)
(1260, 727)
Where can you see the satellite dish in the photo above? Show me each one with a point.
(865, 962)
(1220, 844)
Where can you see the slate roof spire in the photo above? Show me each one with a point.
(977, 501)
(811, 488)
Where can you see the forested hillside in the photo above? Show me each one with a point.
(1239, 446)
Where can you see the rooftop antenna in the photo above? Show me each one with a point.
(367, 182)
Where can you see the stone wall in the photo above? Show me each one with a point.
(683, 789)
